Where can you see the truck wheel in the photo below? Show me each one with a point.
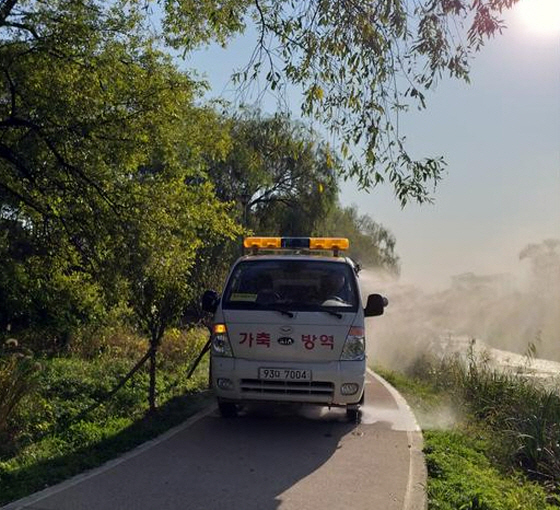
(353, 414)
(227, 409)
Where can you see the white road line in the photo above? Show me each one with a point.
(415, 496)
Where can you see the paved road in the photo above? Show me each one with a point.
(284, 458)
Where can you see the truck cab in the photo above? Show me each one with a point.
(289, 326)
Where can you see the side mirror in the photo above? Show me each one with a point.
(210, 300)
(375, 305)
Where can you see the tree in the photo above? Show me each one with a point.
(539, 308)
(77, 101)
(102, 159)
(280, 174)
(161, 250)
(545, 263)
(283, 178)
(371, 244)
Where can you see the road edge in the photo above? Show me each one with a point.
(415, 496)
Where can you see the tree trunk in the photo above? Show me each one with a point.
(115, 389)
(152, 391)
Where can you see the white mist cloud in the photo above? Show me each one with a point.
(506, 311)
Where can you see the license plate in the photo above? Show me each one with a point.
(284, 374)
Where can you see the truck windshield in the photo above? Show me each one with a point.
(289, 284)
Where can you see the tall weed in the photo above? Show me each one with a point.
(522, 414)
(18, 374)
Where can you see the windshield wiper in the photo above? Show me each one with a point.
(283, 311)
(331, 312)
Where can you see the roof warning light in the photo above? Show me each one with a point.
(335, 244)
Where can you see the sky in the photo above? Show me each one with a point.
(500, 136)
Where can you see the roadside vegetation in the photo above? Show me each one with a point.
(492, 438)
(64, 424)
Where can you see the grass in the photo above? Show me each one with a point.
(48, 441)
(491, 438)
(462, 476)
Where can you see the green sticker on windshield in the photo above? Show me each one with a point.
(243, 297)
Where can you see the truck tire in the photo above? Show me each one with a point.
(227, 409)
(353, 414)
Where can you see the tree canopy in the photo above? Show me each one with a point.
(371, 244)
(358, 63)
(101, 153)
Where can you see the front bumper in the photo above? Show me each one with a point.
(323, 389)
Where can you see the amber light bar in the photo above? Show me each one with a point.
(263, 242)
(293, 243)
(329, 243)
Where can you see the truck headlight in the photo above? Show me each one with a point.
(349, 389)
(355, 345)
(224, 383)
(220, 341)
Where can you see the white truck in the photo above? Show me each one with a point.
(289, 326)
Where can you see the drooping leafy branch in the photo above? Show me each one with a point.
(361, 63)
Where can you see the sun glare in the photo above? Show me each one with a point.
(542, 16)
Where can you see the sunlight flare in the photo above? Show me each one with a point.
(541, 16)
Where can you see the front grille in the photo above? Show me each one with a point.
(316, 388)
